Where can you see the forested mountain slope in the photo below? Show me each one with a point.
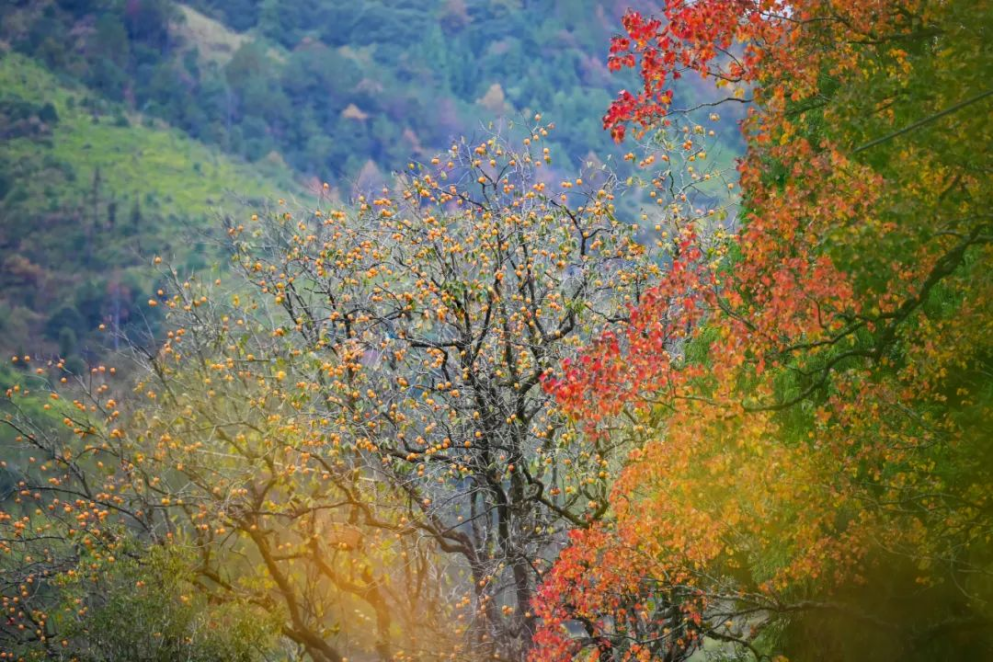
(89, 192)
(331, 85)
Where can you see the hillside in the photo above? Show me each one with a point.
(334, 85)
(125, 122)
(88, 193)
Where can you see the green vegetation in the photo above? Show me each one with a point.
(140, 157)
(90, 192)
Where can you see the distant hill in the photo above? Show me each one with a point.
(88, 192)
(124, 122)
(332, 84)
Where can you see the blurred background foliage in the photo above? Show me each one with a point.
(128, 126)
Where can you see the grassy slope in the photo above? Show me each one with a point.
(49, 218)
(134, 159)
(213, 41)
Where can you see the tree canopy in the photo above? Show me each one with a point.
(815, 409)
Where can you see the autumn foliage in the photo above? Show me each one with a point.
(815, 410)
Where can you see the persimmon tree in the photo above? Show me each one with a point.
(425, 319)
(275, 483)
(814, 474)
(82, 554)
(216, 460)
